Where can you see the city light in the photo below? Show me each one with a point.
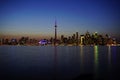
(72, 40)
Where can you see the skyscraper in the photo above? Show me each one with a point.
(76, 38)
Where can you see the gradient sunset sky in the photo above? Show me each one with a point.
(37, 17)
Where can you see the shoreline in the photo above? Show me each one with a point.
(63, 45)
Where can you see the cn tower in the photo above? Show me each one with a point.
(55, 32)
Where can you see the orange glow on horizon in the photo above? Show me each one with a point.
(36, 36)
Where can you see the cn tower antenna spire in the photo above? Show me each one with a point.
(55, 32)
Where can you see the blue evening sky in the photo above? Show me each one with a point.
(37, 17)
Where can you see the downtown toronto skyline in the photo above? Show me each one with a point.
(36, 18)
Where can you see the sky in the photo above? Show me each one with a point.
(36, 18)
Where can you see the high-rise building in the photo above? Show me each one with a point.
(76, 38)
(73, 37)
(82, 39)
(62, 37)
(76, 35)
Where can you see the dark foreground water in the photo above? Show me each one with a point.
(59, 63)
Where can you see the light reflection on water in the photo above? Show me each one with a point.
(96, 54)
(59, 62)
(109, 55)
(55, 63)
(81, 58)
(114, 54)
(96, 61)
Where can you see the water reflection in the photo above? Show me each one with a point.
(81, 58)
(109, 55)
(96, 61)
(55, 63)
(114, 54)
(60, 62)
(96, 54)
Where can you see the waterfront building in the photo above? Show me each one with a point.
(82, 39)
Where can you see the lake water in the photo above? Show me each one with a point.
(59, 63)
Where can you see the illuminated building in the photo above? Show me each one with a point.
(82, 39)
(95, 35)
(43, 42)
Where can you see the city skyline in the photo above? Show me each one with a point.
(36, 18)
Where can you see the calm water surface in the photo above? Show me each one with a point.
(59, 63)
